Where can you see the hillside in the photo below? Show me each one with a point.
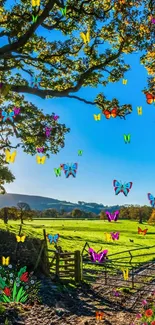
(42, 203)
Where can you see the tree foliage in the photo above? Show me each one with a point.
(116, 28)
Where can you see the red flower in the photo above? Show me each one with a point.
(7, 291)
(148, 313)
(24, 277)
(153, 322)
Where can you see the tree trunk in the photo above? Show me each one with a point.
(21, 217)
(6, 216)
(140, 218)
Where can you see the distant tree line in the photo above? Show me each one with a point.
(23, 212)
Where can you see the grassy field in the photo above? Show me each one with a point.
(74, 234)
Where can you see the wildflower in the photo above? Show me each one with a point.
(144, 302)
(0, 267)
(26, 287)
(148, 313)
(11, 275)
(11, 281)
(7, 291)
(17, 284)
(24, 277)
(10, 266)
(17, 279)
(32, 281)
(139, 316)
(153, 322)
(4, 279)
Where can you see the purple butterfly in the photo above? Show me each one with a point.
(116, 293)
(115, 235)
(55, 117)
(16, 110)
(40, 149)
(48, 131)
(153, 20)
(113, 216)
(100, 257)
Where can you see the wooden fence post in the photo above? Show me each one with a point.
(46, 260)
(78, 266)
(57, 256)
(105, 273)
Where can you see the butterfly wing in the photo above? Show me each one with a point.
(126, 188)
(22, 239)
(149, 98)
(107, 114)
(117, 187)
(55, 238)
(74, 169)
(116, 214)
(7, 155)
(145, 231)
(13, 156)
(88, 36)
(18, 238)
(83, 36)
(139, 230)
(11, 115)
(7, 260)
(108, 215)
(151, 199)
(92, 253)
(102, 255)
(5, 115)
(50, 238)
(114, 112)
(95, 117)
(66, 169)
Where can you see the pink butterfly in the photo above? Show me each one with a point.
(55, 117)
(100, 257)
(40, 149)
(113, 216)
(115, 236)
(48, 131)
(16, 110)
(153, 20)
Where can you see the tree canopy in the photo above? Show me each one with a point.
(65, 67)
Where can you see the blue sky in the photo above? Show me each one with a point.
(105, 155)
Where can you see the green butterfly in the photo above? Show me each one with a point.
(57, 171)
(34, 18)
(127, 138)
(80, 152)
(63, 11)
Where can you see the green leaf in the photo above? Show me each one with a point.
(24, 298)
(21, 271)
(2, 283)
(19, 294)
(14, 291)
(5, 298)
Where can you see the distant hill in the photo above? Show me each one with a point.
(42, 203)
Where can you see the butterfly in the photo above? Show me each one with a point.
(35, 3)
(35, 80)
(40, 150)
(127, 138)
(97, 117)
(34, 19)
(16, 110)
(116, 293)
(40, 160)
(8, 116)
(52, 239)
(57, 171)
(80, 152)
(10, 157)
(112, 113)
(48, 131)
(153, 20)
(55, 117)
(139, 110)
(61, 166)
(113, 216)
(70, 169)
(142, 232)
(119, 187)
(63, 11)
(124, 81)
(151, 199)
(149, 98)
(5, 261)
(85, 37)
(125, 273)
(99, 315)
(108, 236)
(100, 257)
(115, 235)
(20, 239)
(131, 240)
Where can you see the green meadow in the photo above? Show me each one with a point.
(74, 234)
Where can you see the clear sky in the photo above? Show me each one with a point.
(105, 155)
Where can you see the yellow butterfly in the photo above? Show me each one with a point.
(125, 273)
(97, 117)
(139, 110)
(108, 236)
(124, 81)
(10, 157)
(20, 239)
(85, 37)
(35, 3)
(40, 160)
(5, 261)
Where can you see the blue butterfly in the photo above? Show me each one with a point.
(119, 187)
(70, 169)
(8, 116)
(151, 199)
(52, 239)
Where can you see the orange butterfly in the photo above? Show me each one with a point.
(150, 98)
(112, 113)
(143, 232)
